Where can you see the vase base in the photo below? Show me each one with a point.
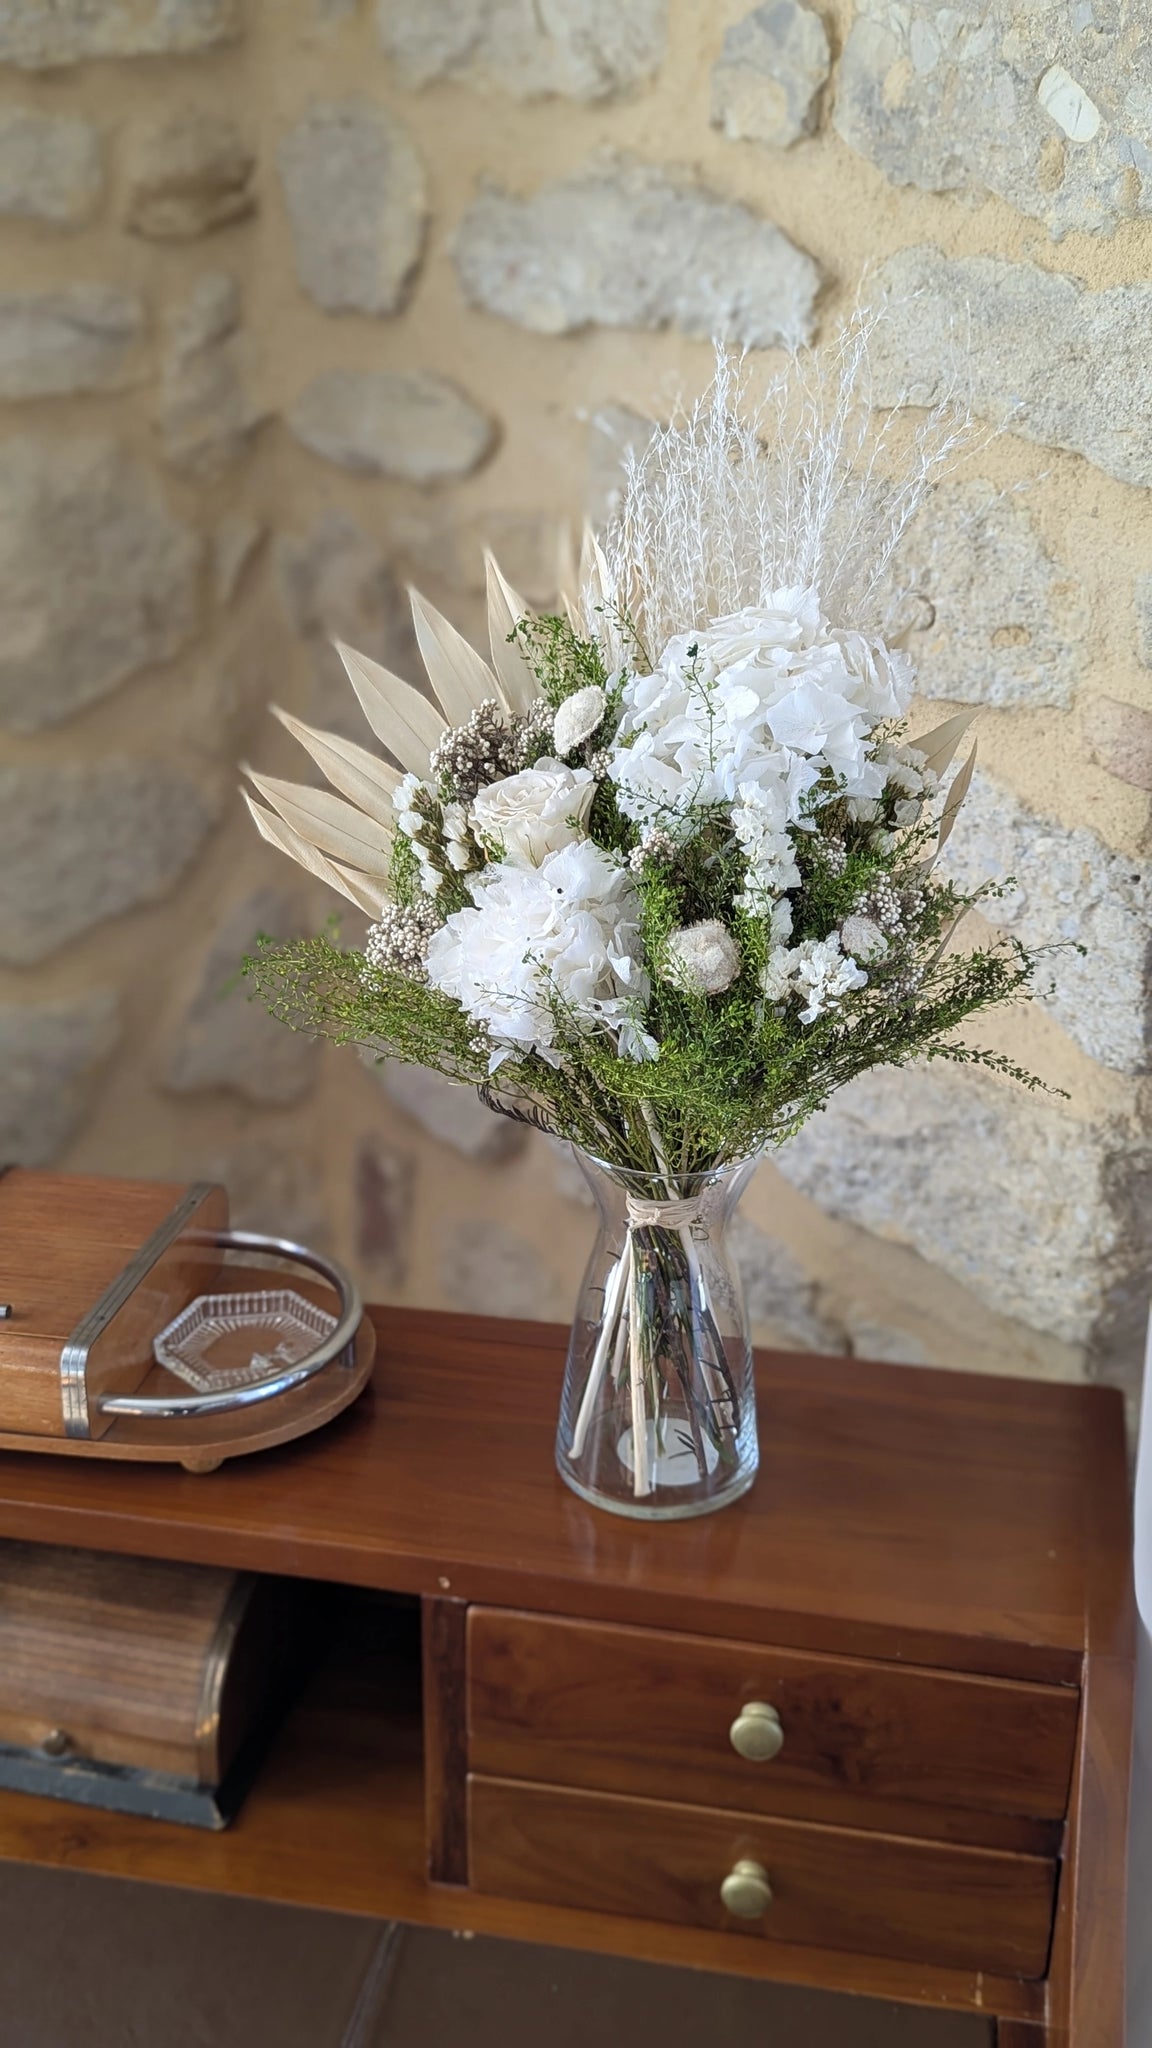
(647, 1510)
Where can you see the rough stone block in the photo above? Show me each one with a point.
(887, 1344)
(582, 49)
(234, 544)
(1030, 349)
(188, 173)
(1119, 737)
(448, 549)
(490, 1270)
(766, 84)
(385, 1182)
(778, 1294)
(81, 842)
(449, 1111)
(627, 244)
(335, 584)
(50, 167)
(39, 34)
(357, 205)
(50, 1054)
(1049, 107)
(206, 415)
(274, 1185)
(407, 424)
(79, 337)
(1071, 891)
(226, 1038)
(997, 620)
(97, 579)
(1002, 1189)
(1143, 596)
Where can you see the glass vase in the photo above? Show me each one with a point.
(658, 1412)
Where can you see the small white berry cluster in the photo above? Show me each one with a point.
(655, 845)
(534, 733)
(399, 943)
(470, 756)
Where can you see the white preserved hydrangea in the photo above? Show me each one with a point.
(578, 718)
(703, 958)
(535, 813)
(904, 770)
(766, 699)
(546, 948)
(817, 971)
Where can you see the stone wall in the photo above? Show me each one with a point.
(302, 299)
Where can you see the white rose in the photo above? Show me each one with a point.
(535, 813)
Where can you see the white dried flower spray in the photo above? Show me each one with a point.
(811, 488)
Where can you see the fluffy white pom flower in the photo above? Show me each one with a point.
(863, 938)
(563, 938)
(578, 717)
(535, 813)
(817, 971)
(769, 697)
(702, 958)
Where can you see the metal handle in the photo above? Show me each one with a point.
(746, 1890)
(339, 1340)
(756, 1733)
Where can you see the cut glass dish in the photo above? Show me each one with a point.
(234, 1340)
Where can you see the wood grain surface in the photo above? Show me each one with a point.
(444, 1638)
(1087, 1978)
(877, 1894)
(935, 1518)
(648, 1712)
(112, 1651)
(64, 1238)
(336, 1821)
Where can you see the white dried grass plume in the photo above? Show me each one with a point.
(808, 487)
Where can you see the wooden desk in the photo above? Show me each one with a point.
(931, 1575)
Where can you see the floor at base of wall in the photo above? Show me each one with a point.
(90, 1963)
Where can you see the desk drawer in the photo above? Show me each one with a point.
(881, 1895)
(649, 1713)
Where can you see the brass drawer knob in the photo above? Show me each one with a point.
(756, 1733)
(746, 1890)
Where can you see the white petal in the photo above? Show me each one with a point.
(407, 724)
(355, 887)
(328, 822)
(505, 610)
(349, 768)
(460, 679)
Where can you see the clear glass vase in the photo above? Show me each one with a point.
(658, 1412)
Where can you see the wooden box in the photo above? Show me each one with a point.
(90, 1271)
(137, 1684)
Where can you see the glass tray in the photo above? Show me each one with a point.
(234, 1340)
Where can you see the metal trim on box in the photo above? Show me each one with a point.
(74, 1355)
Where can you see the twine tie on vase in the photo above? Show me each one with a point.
(664, 1215)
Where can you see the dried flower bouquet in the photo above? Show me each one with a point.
(663, 874)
